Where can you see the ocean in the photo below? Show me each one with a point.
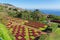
(54, 12)
(49, 11)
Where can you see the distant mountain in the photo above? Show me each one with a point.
(9, 6)
(5, 4)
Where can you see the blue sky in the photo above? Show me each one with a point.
(37, 4)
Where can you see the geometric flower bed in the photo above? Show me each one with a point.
(36, 25)
(23, 32)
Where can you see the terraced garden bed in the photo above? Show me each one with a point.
(23, 32)
(37, 25)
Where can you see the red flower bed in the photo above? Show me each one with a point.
(35, 24)
(34, 33)
(20, 31)
(9, 24)
(31, 32)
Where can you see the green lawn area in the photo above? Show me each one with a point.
(55, 35)
(4, 33)
(57, 32)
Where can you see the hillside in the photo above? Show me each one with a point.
(16, 26)
(13, 11)
(9, 6)
(27, 24)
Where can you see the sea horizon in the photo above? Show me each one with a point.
(49, 11)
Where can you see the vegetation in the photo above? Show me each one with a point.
(4, 34)
(1, 8)
(35, 15)
(16, 19)
(43, 37)
(12, 14)
(51, 28)
(53, 17)
(54, 26)
(57, 33)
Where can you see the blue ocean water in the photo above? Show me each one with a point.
(49, 11)
(54, 12)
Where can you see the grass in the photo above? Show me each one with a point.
(4, 33)
(55, 35)
(57, 32)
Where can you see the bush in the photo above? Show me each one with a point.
(54, 26)
(43, 37)
(48, 30)
(58, 26)
(12, 14)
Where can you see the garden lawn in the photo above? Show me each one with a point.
(55, 35)
(57, 32)
(4, 34)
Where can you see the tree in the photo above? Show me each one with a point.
(19, 15)
(12, 14)
(53, 17)
(15, 9)
(10, 8)
(48, 30)
(25, 14)
(36, 15)
(58, 25)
